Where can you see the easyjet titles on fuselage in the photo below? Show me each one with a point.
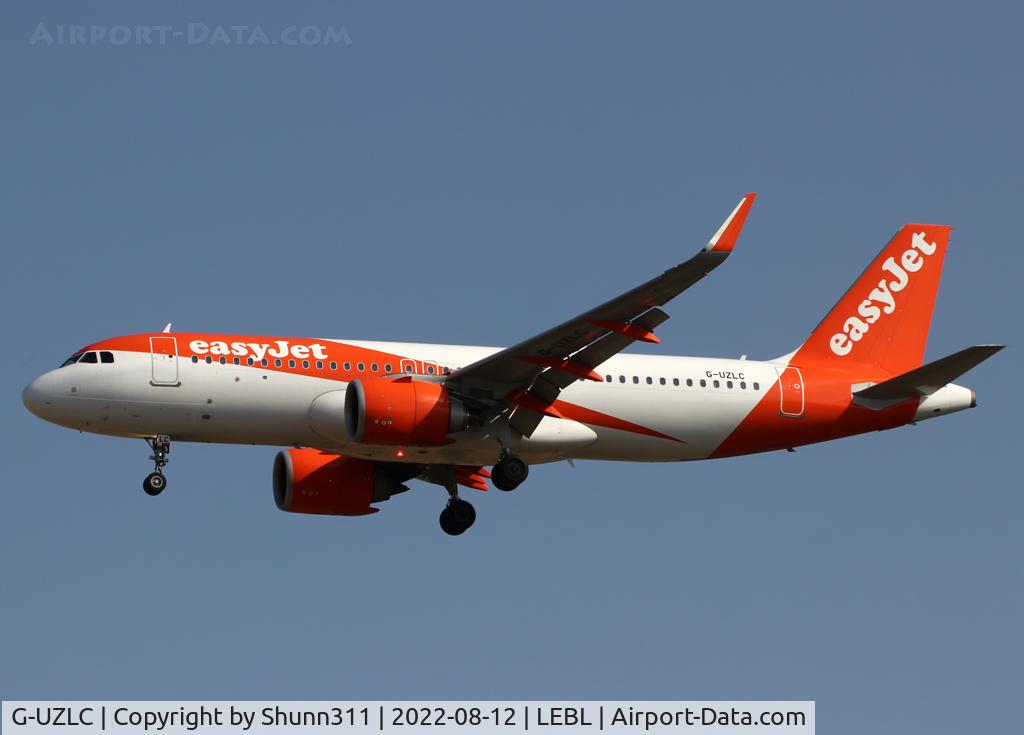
(259, 350)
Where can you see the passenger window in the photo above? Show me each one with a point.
(636, 379)
(447, 371)
(319, 364)
(264, 362)
(305, 364)
(195, 358)
(277, 362)
(743, 386)
(650, 380)
(703, 383)
(675, 381)
(236, 361)
(689, 382)
(430, 369)
(716, 384)
(622, 378)
(209, 359)
(373, 367)
(106, 357)
(223, 360)
(387, 368)
(361, 367)
(607, 378)
(291, 363)
(662, 381)
(408, 368)
(249, 361)
(347, 366)
(728, 384)
(757, 387)
(334, 365)
(89, 357)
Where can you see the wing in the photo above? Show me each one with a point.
(527, 378)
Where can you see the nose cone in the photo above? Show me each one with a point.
(37, 396)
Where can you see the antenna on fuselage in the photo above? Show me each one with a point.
(167, 329)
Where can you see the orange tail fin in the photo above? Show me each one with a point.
(883, 320)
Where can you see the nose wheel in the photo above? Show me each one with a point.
(155, 481)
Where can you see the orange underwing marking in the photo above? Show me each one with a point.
(532, 403)
(635, 331)
(472, 477)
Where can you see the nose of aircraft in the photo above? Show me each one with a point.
(37, 394)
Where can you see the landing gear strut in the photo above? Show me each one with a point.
(509, 472)
(155, 481)
(458, 515)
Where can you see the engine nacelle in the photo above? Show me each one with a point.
(402, 412)
(311, 481)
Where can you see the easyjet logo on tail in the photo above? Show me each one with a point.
(882, 300)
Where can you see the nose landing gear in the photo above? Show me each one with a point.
(155, 481)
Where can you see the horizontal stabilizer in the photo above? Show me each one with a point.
(929, 378)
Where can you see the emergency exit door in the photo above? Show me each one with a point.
(791, 392)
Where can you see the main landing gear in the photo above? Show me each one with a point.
(155, 481)
(509, 472)
(458, 515)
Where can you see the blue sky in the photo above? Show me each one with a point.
(472, 173)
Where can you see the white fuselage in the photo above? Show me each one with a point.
(228, 403)
(647, 408)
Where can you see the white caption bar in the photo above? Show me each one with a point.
(509, 718)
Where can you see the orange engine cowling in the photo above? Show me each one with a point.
(402, 412)
(311, 481)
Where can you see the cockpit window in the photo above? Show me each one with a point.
(89, 357)
(106, 357)
(71, 360)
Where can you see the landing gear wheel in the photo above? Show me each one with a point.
(457, 517)
(509, 472)
(154, 483)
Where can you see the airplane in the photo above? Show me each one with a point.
(360, 419)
